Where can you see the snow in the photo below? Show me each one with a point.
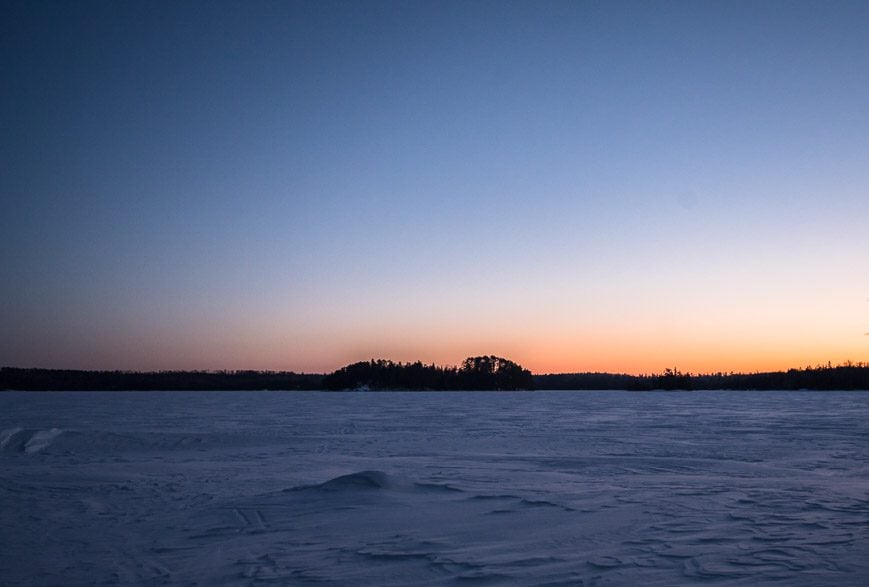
(604, 488)
(41, 439)
(7, 435)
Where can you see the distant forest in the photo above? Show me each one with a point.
(68, 380)
(475, 373)
(849, 376)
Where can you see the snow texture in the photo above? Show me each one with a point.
(546, 488)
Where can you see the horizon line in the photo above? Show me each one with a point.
(828, 365)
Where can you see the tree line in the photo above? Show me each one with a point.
(474, 374)
(74, 380)
(486, 372)
(848, 376)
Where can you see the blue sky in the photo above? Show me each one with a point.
(294, 185)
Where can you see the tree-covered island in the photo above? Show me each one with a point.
(484, 373)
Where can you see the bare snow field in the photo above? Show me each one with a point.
(545, 488)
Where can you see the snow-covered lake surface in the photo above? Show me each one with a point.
(557, 488)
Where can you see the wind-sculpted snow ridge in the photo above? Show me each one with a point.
(69, 441)
(27, 441)
(590, 488)
(7, 435)
(353, 481)
(368, 480)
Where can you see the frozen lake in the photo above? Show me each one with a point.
(555, 488)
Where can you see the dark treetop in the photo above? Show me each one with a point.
(475, 373)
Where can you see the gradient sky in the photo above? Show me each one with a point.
(577, 186)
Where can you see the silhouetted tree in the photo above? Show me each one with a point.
(674, 379)
(491, 372)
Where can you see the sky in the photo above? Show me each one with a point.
(577, 186)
